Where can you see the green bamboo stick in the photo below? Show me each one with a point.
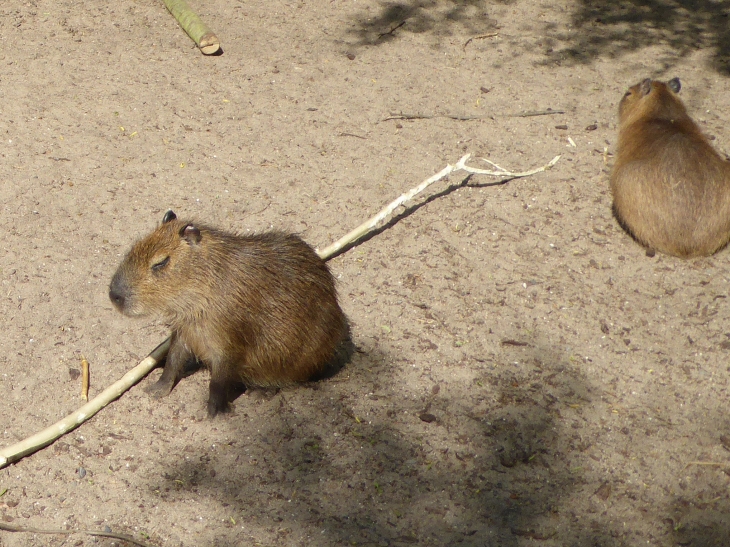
(203, 37)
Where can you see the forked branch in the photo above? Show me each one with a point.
(460, 165)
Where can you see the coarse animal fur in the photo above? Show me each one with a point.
(671, 189)
(258, 310)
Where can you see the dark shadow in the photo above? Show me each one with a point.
(610, 29)
(343, 355)
(701, 517)
(596, 29)
(315, 463)
(422, 16)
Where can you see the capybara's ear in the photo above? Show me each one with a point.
(645, 87)
(170, 215)
(675, 85)
(191, 234)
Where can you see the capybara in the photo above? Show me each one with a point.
(671, 189)
(256, 310)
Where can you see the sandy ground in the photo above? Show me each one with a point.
(525, 374)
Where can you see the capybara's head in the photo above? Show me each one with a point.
(651, 99)
(154, 275)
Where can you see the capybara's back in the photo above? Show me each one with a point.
(671, 189)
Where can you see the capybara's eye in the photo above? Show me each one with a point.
(161, 264)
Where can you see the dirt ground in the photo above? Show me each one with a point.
(525, 375)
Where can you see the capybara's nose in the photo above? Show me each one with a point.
(117, 292)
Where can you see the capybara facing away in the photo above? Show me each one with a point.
(258, 310)
(671, 189)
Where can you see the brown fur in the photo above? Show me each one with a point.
(257, 310)
(671, 189)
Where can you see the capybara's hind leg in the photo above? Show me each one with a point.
(224, 387)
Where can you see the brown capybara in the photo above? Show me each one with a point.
(671, 189)
(258, 310)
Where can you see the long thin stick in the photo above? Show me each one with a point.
(47, 436)
(72, 421)
(457, 117)
(198, 31)
(367, 226)
(124, 537)
(470, 117)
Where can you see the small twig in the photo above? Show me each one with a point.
(365, 227)
(353, 135)
(504, 173)
(482, 37)
(468, 117)
(530, 113)
(84, 379)
(391, 31)
(401, 116)
(494, 164)
(606, 154)
(124, 537)
(708, 464)
(458, 117)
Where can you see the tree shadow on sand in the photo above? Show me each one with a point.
(422, 16)
(597, 28)
(611, 29)
(699, 515)
(359, 462)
